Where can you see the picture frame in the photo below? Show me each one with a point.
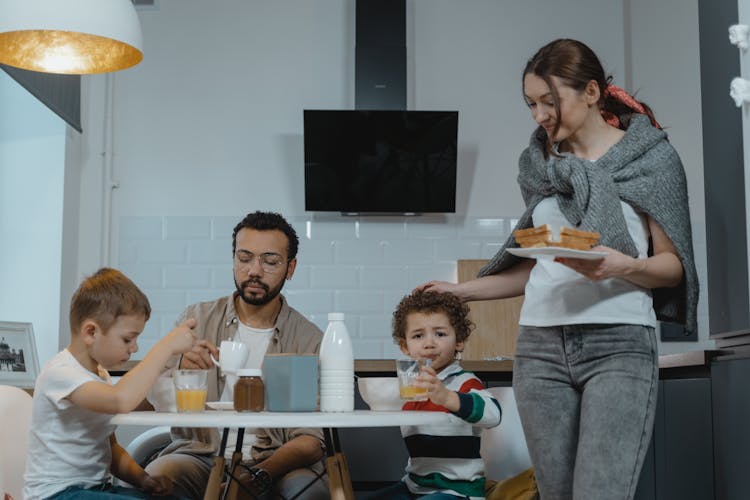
(19, 365)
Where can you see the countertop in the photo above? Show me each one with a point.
(683, 365)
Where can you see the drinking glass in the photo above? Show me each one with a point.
(190, 389)
(407, 371)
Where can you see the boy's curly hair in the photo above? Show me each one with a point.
(432, 302)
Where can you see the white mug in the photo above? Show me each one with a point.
(232, 356)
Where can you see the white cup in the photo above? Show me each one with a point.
(232, 356)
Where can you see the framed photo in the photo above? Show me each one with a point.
(18, 360)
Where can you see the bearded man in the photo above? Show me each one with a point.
(284, 461)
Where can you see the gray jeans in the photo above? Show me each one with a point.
(586, 395)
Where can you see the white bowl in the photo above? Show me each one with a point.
(380, 393)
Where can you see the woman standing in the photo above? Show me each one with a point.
(586, 367)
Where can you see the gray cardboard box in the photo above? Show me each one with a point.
(291, 382)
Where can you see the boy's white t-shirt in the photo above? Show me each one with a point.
(68, 445)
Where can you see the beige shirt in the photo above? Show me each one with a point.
(218, 320)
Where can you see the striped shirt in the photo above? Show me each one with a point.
(445, 458)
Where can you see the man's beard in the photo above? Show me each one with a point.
(258, 300)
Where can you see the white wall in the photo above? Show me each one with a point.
(32, 152)
(209, 127)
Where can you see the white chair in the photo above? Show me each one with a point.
(146, 445)
(504, 447)
(15, 415)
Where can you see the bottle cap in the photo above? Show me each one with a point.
(249, 372)
(335, 316)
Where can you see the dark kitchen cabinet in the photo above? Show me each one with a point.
(679, 462)
(731, 414)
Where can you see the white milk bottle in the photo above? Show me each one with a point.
(336, 367)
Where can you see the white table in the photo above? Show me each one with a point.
(337, 469)
(357, 418)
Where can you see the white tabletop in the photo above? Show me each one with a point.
(225, 418)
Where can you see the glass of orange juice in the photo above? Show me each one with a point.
(190, 389)
(407, 371)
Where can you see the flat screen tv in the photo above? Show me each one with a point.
(378, 161)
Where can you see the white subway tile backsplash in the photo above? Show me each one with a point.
(484, 227)
(166, 301)
(359, 252)
(222, 276)
(392, 298)
(127, 252)
(336, 277)
(362, 266)
(383, 277)
(144, 275)
(358, 301)
(368, 349)
(209, 252)
(352, 326)
(311, 301)
(320, 320)
(431, 226)
(167, 322)
(382, 228)
(140, 228)
(315, 252)
(375, 326)
(162, 252)
(300, 280)
(333, 227)
(222, 229)
(409, 252)
(186, 228)
(435, 272)
(453, 250)
(189, 277)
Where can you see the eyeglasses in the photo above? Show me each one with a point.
(269, 262)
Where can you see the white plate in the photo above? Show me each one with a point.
(220, 405)
(535, 252)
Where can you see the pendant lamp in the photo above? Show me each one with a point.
(70, 36)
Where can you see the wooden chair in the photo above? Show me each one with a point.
(339, 481)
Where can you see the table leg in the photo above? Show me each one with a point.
(233, 485)
(213, 488)
(339, 481)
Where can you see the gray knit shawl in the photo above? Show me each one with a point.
(643, 170)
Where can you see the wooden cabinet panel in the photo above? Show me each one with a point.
(496, 320)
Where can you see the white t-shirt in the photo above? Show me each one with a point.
(257, 340)
(68, 445)
(557, 295)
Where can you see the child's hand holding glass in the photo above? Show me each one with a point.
(436, 390)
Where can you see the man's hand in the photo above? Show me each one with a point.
(248, 482)
(198, 358)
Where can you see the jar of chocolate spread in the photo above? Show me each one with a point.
(249, 392)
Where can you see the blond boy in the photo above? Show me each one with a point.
(72, 451)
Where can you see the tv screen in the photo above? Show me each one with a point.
(380, 161)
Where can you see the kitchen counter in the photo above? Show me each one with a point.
(693, 364)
